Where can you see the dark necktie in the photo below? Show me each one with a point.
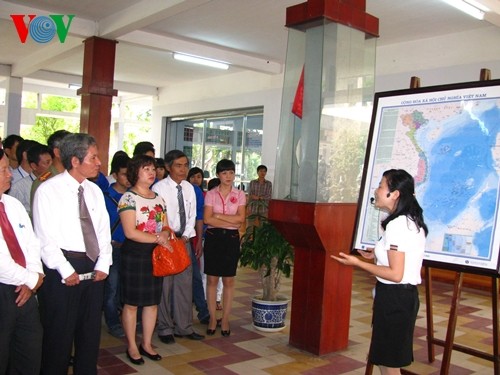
(89, 236)
(182, 210)
(10, 238)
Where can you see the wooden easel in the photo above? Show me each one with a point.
(448, 343)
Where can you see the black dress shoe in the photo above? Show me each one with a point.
(153, 357)
(192, 336)
(210, 332)
(138, 361)
(167, 339)
(205, 320)
(225, 333)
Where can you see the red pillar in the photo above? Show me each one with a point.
(321, 293)
(97, 93)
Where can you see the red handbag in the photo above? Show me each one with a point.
(171, 259)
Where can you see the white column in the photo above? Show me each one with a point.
(120, 131)
(13, 96)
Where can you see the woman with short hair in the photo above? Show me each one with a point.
(143, 215)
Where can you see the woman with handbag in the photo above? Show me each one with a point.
(224, 214)
(143, 215)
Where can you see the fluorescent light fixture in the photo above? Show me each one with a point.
(201, 61)
(467, 7)
(478, 5)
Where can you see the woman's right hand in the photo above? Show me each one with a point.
(163, 237)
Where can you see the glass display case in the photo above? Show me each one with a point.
(321, 151)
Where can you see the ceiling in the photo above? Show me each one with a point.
(249, 34)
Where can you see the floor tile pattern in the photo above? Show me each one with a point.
(248, 351)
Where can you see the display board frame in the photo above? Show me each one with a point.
(441, 98)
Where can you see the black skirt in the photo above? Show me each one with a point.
(394, 315)
(221, 251)
(138, 285)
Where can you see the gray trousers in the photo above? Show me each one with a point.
(175, 311)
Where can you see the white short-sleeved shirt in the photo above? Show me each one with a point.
(403, 233)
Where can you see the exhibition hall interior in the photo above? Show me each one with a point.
(237, 96)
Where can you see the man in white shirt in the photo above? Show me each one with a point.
(20, 277)
(176, 319)
(72, 297)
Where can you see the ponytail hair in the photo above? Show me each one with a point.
(407, 204)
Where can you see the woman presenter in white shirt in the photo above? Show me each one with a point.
(398, 259)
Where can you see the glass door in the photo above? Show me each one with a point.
(207, 139)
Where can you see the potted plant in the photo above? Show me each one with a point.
(263, 248)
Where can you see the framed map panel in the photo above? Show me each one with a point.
(448, 139)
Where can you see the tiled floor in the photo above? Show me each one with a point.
(248, 351)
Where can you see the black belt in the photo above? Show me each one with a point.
(395, 286)
(223, 230)
(74, 254)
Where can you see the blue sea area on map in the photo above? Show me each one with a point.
(459, 163)
(487, 204)
(482, 240)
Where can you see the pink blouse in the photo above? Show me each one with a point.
(228, 206)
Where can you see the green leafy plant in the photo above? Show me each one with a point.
(263, 248)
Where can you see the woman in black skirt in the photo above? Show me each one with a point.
(224, 213)
(398, 259)
(143, 215)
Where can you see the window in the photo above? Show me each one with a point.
(208, 138)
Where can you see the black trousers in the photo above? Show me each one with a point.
(71, 315)
(20, 334)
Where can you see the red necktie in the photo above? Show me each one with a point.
(10, 238)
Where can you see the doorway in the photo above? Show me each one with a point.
(208, 138)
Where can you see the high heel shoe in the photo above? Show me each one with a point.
(138, 361)
(210, 332)
(224, 332)
(153, 357)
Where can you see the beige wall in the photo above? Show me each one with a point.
(456, 57)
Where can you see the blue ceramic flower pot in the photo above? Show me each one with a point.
(269, 316)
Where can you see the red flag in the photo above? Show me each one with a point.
(298, 101)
